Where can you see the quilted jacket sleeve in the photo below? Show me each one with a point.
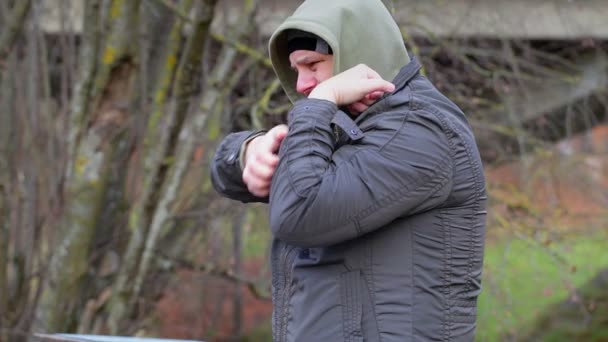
(315, 202)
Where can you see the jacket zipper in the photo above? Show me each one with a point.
(285, 266)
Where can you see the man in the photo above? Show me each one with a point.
(375, 188)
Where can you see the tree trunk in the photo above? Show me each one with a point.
(89, 50)
(92, 159)
(237, 244)
(16, 22)
(161, 179)
(8, 116)
(6, 113)
(4, 236)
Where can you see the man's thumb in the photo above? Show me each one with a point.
(276, 135)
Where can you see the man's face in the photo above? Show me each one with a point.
(312, 68)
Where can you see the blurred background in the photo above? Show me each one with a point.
(110, 111)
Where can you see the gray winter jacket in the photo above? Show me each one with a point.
(378, 222)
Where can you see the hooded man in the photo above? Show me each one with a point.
(375, 187)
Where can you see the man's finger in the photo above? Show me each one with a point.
(267, 159)
(247, 177)
(254, 183)
(368, 101)
(374, 95)
(275, 136)
(377, 85)
(260, 191)
(359, 107)
(262, 171)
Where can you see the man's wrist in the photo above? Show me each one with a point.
(322, 93)
(244, 146)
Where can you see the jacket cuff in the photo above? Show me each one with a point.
(321, 110)
(226, 173)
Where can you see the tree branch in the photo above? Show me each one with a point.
(177, 11)
(213, 270)
(82, 93)
(4, 236)
(244, 49)
(9, 36)
(240, 47)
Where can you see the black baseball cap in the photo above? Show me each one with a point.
(302, 40)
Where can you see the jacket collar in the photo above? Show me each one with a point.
(350, 128)
(406, 74)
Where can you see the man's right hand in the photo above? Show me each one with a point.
(261, 160)
(358, 84)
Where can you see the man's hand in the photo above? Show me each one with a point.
(261, 160)
(363, 104)
(359, 86)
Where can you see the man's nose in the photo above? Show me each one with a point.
(305, 84)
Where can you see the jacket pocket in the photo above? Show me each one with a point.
(351, 295)
(463, 311)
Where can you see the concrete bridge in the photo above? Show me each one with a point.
(513, 19)
(527, 19)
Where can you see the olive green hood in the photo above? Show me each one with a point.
(358, 31)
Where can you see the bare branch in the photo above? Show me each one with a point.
(9, 36)
(4, 236)
(244, 49)
(183, 151)
(183, 15)
(210, 269)
(88, 67)
(240, 47)
(119, 47)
